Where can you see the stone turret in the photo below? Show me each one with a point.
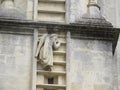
(9, 11)
(93, 16)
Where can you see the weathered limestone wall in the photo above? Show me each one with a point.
(30, 12)
(117, 60)
(111, 11)
(91, 65)
(15, 62)
(77, 9)
(108, 10)
(21, 4)
(118, 13)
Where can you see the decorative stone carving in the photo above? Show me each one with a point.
(46, 44)
(9, 11)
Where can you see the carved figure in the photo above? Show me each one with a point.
(45, 47)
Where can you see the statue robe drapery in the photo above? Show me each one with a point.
(45, 49)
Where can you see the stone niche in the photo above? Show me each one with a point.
(91, 65)
(15, 62)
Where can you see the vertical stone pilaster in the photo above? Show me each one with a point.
(68, 76)
(34, 61)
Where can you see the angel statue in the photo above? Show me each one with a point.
(46, 44)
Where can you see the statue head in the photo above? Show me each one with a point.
(55, 40)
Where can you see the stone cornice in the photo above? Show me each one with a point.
(29, 24)
(88, 31)
(102, 31)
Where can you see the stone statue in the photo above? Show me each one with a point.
(46, 44)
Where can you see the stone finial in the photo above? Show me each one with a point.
(94, 9)
(93, 16)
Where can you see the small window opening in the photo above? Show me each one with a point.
(50, 80)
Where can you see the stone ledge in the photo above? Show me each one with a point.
(87, 31)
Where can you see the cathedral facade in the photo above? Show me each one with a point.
(59, 45)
